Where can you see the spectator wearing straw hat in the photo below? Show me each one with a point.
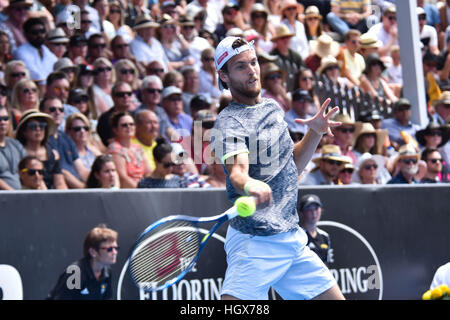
(313, 23)
(369, 43)
(406, 165)
(328, 166)
(145, 47)
(330, 68)
(344, 135)
(367, 139)
(57, 42)
(288, 60)
(322, 47)
(442, 108)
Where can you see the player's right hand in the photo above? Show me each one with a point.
(260, 191)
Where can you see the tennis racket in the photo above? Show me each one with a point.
(168, 249)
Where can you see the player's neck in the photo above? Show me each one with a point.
(250, 101)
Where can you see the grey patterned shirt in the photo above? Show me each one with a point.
(260, 131)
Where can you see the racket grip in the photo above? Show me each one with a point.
(245, 206)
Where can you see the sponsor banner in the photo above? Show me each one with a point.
(386, 242)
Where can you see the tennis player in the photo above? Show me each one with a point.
(252, 141)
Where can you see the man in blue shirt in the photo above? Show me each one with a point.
(400, 122)
(407, 162)
(172, 103)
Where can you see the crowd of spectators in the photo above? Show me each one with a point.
(123, 94)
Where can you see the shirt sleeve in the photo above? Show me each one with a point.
(228, 142)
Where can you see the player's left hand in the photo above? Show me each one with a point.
(321, 122)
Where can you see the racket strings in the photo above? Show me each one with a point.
(164, 253)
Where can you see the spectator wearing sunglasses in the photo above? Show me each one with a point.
(31, 172)
(165, 161)
(386, 31)
(15, 70)
(428, 34)
(147, 130)
(173, 106)
(129, 158)
(369, 170)
(121, 50)
(79, 98)
(33, 132)
(436, 171)
(100, 251)
(327, 168)
(58, 85)
(11, 151)
(406, 165)
(273, 83)
(400, 123)
(75, 173)
(78, 128)
(207, 75)
(121, 94)
(344, 135)
(97, 48)
(25, 96)
(126, 71)
(34, 53)
(104, 78)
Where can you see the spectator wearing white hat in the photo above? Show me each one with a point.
(57, 41)
(371, 169)
(406, 165)
(173, 105)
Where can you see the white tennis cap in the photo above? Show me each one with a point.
(225, 51)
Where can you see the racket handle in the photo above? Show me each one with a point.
(245, 206)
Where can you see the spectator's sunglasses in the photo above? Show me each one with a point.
(32, 172)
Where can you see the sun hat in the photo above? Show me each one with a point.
(432, 126)
(281, 31)
(144, 21)
(34, 114)
(325, 46)
(331, 152)
(57, 35)
(312, 11)
(369, 40)
(170, 90)
(326, 62)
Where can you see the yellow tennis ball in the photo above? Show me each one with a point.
(245, 206)
(427, 295)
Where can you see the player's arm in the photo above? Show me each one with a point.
(318, 125)
(243, 183)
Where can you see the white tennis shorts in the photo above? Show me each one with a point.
(282, 261)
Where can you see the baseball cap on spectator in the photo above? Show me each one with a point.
(170, 90)
(369, 40)
(200, 102)
(301, 95)
(144, 21)
(85, 69)
(228, 6)
(77, 39)
(402, 102)
(63, 64)
(369, 115)
(77, 94)
(307, 201)
(57, 35)
(420, 10)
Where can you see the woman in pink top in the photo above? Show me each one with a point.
(128, 157)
